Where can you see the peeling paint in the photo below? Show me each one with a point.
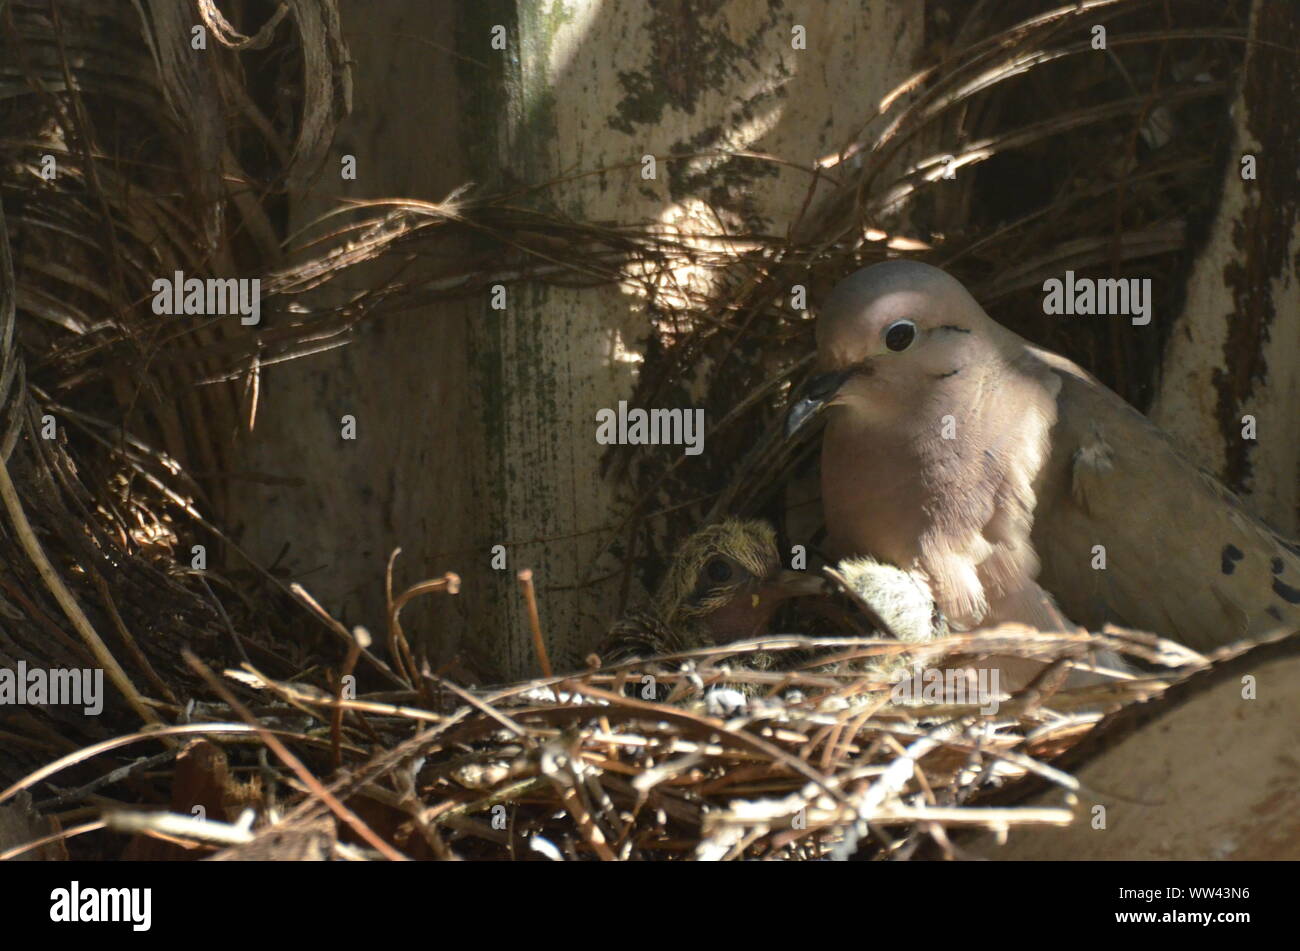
(1265, 232)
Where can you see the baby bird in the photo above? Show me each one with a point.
(724, 584)
(899, 603)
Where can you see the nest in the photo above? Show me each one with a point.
(838, 754)
(98, 549)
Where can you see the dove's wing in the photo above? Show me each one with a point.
(1183, 557)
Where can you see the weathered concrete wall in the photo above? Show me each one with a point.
(478, 424)
(1245, 288)
(600, 85)
(1207, 772)
(405, 379)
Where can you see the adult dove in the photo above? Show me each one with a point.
(1008, 477)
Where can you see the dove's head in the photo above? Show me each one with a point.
(888, 336)
(725, 582)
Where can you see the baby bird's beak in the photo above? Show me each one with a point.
(748, 613)
(786, 584)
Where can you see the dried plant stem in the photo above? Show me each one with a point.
(61, 836)
(71, 608)
(535, 622)
(299, 768)
(360, 641)
(136, 653)
(397, 642)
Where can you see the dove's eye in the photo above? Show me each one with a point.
(899, 335)
(718, 571)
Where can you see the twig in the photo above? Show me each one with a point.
(299, 592)
(360, 641)
(539, 643)
(397, 643)
(286, 756)
(61, 835)
(27, 538)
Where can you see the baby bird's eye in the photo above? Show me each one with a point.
(718, 571)
(899, 335)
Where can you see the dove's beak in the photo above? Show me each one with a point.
(815, 394)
